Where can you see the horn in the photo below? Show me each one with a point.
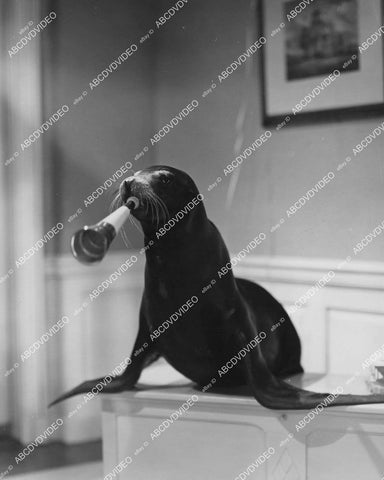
(91, 243)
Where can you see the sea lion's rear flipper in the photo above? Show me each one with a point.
(145, 355)
(271, 392)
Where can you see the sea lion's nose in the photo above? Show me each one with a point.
(125, 188)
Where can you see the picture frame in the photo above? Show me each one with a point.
(307, 43)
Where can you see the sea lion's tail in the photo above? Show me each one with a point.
(118, 384)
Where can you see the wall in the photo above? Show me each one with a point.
(193, 48)
(112, 123)
(178, 64)
(115, 120)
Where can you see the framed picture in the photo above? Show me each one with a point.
(322, 59)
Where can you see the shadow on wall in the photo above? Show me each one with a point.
(177, 65)
(109, 124)
(192, 51)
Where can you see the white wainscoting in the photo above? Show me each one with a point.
(95, 340)
(343, 323)
(339, 327)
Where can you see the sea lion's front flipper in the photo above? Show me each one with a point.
(127, 380)
(102, 384)
(271, 392)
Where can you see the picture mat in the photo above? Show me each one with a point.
(351, 89)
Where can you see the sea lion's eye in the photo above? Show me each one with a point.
(165, 180)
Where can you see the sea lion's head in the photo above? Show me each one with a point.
(162, 192)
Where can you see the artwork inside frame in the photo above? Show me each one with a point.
(316, 59)
(321, 39)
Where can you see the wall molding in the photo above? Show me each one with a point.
(299, 270)
(66, 264)
(356, 274)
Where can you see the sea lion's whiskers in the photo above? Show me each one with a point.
(160, 203)
(144, 200)
(152, 204)
(113, 204)
(116, 203)
(156, 204)
(116, 191)
(146, 206)
(163, 206)
(133, 221)
(125, 238)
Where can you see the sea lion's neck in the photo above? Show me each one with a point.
(177, 230)
(172, 240)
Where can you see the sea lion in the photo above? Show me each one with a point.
(199, 333)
